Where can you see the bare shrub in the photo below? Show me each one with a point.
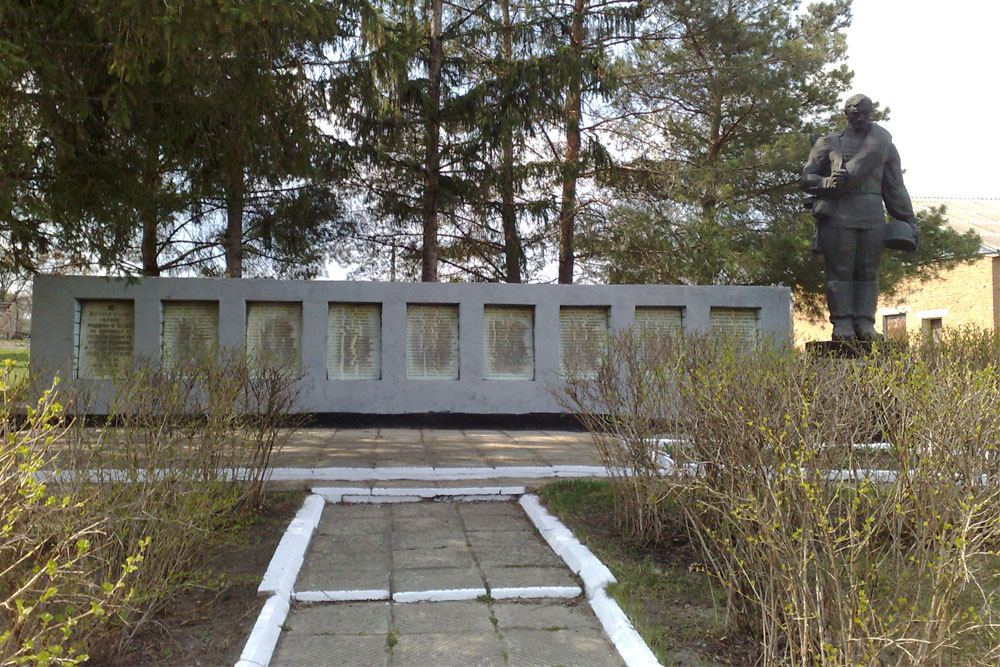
(823, 559)
(182, 454)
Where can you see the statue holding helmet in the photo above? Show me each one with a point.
(849, 175)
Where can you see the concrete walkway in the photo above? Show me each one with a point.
(430, 551)
(467, 583)
(392, 447)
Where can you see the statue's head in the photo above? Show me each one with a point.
(858, 109)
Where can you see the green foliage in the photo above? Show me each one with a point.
(821, 557)
(129, 122)
(90, 554)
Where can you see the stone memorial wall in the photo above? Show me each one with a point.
(381, 348)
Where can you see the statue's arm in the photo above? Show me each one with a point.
(894, 194)
(816, 174)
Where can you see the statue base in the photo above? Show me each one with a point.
(852, 349)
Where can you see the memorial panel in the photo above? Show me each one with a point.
(739, 324)
(431, 342)
(658, 320)
(354, 341)
(105, 333)
(508, 343)
(190, 330)
(583, 332)
(274, 334)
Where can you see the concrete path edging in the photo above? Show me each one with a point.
(290, 554)
(596, 577)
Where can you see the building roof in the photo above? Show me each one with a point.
(980, 215)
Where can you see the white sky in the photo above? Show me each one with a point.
(935, 66)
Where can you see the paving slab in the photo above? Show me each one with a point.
(543, 648)
(415, 540)
(346, 651)
(351, 578)
(489, 555)
(515, 577)
(498, 524)
(458, 557)
(545, 615)
(352, 618)
(465, 649)
(436, 579)
(442, 617)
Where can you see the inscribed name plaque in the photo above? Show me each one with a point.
(190, 330)
(431, 342)
(353, 341)
(658, 320)
(738, 324)
(508, 343)
(105, 337)
(274, 334)
(583, 332)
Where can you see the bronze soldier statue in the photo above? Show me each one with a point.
(850, 173)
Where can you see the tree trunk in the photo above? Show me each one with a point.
(233, 239)
(149, 219)
(571, 162)
(147, 247)
(432, 156)
(513, 253)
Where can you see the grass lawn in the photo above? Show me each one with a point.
(669, 602)
(17, 352)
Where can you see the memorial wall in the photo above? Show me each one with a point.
(381, 348)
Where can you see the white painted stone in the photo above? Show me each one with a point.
(340, 596)
(380, 499)
(334, 494)
(530, 592)
(395, 473)
(579, 471)
(288, 556)
(263, 638)
(627, 641)
(473, 499)
(439, 595)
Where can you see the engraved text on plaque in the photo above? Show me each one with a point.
(274, 334)
(431, 342)
(583, 332)
(353, 341)
(190, 330)
(658, 321)
(106, 332)
(738, 324)
(508, 343)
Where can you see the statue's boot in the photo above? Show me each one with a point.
(840, 301)
(865, 304)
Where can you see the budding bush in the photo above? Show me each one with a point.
(828, 552)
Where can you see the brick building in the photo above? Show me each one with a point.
(967, 294)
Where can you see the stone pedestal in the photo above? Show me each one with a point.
(853, 349)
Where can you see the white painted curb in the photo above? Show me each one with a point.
(340, 596)
(440, 596)
(596, 577)
(263, 638)
(528, 592)
(355, 494)
(291, 551)
(579, 559)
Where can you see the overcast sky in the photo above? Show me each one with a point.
(935, 65)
